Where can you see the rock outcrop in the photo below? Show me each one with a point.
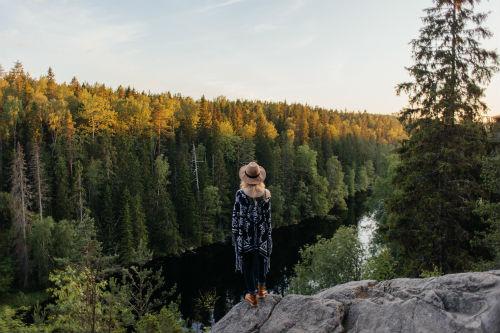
(465, 302)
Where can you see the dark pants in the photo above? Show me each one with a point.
(253, 270)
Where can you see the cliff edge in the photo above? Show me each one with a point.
(465, 302)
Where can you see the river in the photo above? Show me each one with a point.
(211, 268)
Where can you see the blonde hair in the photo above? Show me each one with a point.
(254, 190)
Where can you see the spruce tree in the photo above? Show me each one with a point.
(337, 188)
(140, 233)
(21, 196)
(185, 203)
(451, 69)
(431, 223)
(62, 186)
(125, 243)
(162, 220)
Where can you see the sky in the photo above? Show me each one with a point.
(340, 54)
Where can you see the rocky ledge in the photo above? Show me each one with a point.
(465, 302)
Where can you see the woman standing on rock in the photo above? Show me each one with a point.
(251, 230)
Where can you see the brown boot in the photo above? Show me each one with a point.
(251, 299)
(262, 291)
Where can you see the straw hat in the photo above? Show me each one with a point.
(252, 173)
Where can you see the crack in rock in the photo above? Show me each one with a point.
(443, 304)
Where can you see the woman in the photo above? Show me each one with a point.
(251, 228)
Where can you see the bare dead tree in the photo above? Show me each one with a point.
(39, 181)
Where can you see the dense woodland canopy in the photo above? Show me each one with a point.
(159, 171)
(93, 178)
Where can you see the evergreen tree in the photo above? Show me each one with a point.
(37, 169)
(51, 84)
(125, 243)
(431, 221)
(451, 69)
(337, 191)
(21, 196)
(103, 140)
(78, 192)
(140, 233)
(41, 246)
(185, 203)
(362, 180)
(210, 210)
(61, 189)
(351, 181)
(108, 221)
(163, 227)
(278, 205)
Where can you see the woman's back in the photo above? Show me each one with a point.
(251, 229)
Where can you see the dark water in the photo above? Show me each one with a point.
(212, 267)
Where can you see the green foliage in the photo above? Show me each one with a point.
(166, 321)
(432, 224)
(380, 266)
(337, 189)
(210, 211)
(431, 218)
(488, 208)
(41, 246)
(351, 181)
(143, 286)
(163, 226)
(451, 69)
(328, 262)
(126, 247)
(312, 186)
(278, 205)
(205, 304)
(6, 274)
(78, 300)
(100, 141)
(9, 322)
(139, 231)
(185, 204)
(435, 272)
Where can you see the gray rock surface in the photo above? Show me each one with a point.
(465, 302)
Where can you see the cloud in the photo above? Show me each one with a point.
(65, 32)
(264, 27)
(219, 5)
(294, 6)
(304, 41)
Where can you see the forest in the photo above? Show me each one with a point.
(95, 182)
(158, 172)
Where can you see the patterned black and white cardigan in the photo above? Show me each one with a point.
(251, 227)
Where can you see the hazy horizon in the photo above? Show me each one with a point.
(331, 54)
